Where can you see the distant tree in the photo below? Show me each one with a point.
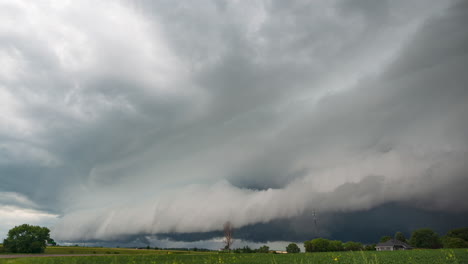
(263, 249)
(247, 249)
(335, 245)
(293, 248)
(51, 242)
(400, 236)
(385, 239)
(27, 239)
(227, 235)
(370, 247)
(352, 246)
(459, 233)
(453, 242)
(317, 245)
(425, 238)
(308, 246)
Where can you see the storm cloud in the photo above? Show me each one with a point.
(124, 118)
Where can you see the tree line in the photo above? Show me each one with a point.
(427, 238)
(420, 238)
(34, 239)
(247, 249)
(325, 245)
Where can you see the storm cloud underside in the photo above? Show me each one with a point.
(141, 117)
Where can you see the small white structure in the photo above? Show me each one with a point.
(281, 252)
(391, 245)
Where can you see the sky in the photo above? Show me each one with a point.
(140, 122)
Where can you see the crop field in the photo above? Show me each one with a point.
(104, 251)
(101, 250)
(366, 257)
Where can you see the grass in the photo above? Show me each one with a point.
(455, 256)
(100, 250)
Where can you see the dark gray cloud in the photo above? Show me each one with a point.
(366, 226)
(139, 118)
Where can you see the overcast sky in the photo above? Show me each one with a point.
(164, 119)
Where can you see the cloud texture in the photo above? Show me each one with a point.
(147, 117)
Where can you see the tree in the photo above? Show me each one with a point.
(453, 242)
(400, 236)
(336, 245)
(27, 239)
(352, 246)
(51, 242)
(308, 246)
(317, 245)
(227, 235)
(385, 239)
(263, 249)
(425, 238)
(459, 233)
(247, 249)
(293, 248)
(370, 247)
(2, 249)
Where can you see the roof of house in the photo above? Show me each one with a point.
(393, 242)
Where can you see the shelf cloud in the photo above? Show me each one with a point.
(124, 118)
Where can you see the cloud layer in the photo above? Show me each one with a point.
(147, 117)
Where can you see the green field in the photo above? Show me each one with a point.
(101, 250)
(408, 257)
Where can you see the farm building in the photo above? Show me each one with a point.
(391, 245)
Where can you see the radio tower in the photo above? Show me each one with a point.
(314, 214)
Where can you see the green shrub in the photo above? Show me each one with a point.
(317, 245)
(453, 242)
(459, 233)
(293, 248)
(352, 246)
(425, 238)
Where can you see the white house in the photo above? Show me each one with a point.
(391, 245)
